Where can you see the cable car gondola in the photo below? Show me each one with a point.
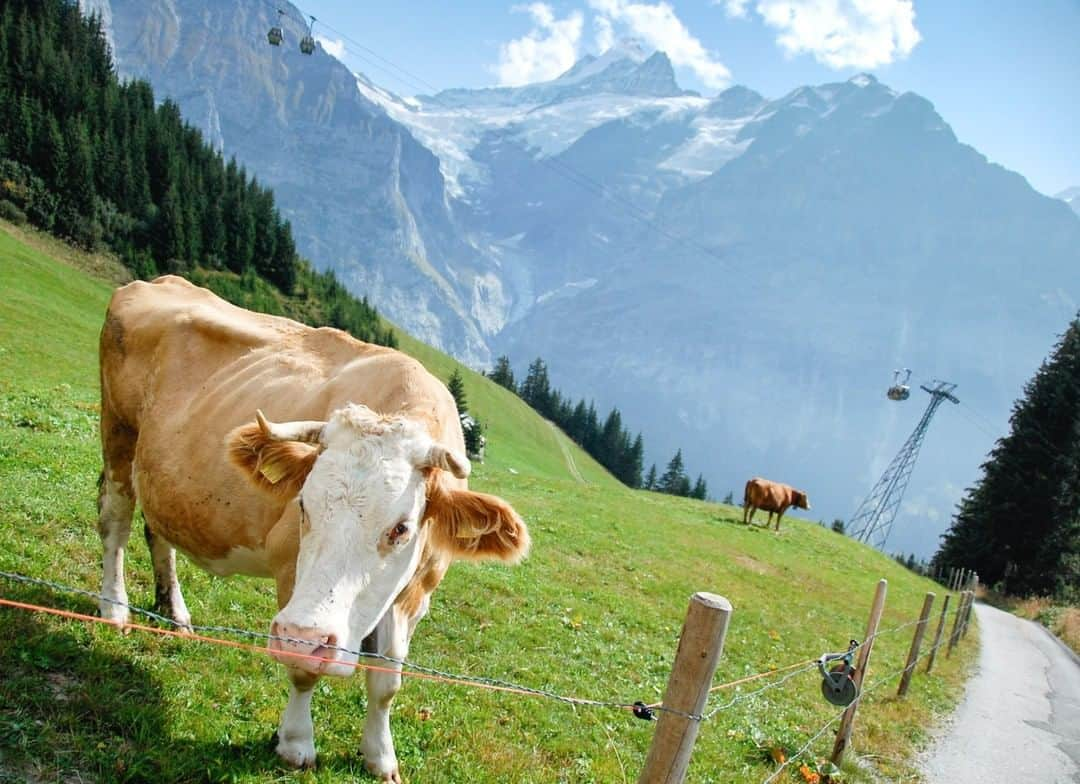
(276, 35)
(307, 43)
(899, 389)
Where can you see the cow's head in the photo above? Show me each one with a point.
(370, 498)
(799, 500)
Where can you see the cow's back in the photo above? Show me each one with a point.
(768, 495)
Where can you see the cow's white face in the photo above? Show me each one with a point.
(362, 505)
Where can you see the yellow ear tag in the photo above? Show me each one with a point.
(273, 470)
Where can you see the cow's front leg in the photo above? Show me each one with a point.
(296, 735)
(169, 601)
(377, 745)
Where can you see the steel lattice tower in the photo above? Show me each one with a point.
(873, 520)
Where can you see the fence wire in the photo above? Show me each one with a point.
(409, 668)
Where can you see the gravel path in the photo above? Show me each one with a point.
(1020, 718)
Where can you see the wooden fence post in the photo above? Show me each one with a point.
(843, 735)
(700, 646)
(940, 632)
(916, 643)
(959, 620)
(972, 585)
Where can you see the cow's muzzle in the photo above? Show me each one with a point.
(309, 649)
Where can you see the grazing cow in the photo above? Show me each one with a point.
(773, 497)
(354, 499)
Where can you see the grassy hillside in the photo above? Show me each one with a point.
(594, 612)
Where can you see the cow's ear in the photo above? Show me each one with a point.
(276, 467)
(476, 526)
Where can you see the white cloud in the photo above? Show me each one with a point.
(547, 50)
(843, 33)
(605, 33)
(335, 47)
(734, 8)
(661, 28)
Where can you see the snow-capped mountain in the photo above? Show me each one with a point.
(738, 274)
(1071, 196)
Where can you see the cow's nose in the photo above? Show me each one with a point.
(304, 647)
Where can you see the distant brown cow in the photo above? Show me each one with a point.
(773, 497)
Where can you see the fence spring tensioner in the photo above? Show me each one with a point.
(838, 684)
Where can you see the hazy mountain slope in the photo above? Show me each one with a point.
(856, 234)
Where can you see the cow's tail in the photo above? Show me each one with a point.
(746, 493)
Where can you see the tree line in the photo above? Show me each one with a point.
(1018, 526)
(607, 440)
(96, 161)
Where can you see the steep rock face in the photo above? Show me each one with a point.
(365, 198)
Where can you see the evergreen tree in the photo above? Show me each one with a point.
(700, 489)
(650, 478)
(1018, 525)
(536, 389)
(729, 499)
(610, 451)
(502, 374)
(838, 526)
(635, 462)
(456, 385)
(674, 481)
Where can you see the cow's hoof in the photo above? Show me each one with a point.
(296, 754)
(115, 614)
(387, 776)
(183, 622)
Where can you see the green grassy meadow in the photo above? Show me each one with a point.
(594, 612)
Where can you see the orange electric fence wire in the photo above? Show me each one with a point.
(426, 673)
(259, 649)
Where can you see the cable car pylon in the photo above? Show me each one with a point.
(873, 520)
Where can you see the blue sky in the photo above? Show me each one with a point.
(1004, 75)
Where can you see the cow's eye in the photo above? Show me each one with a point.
(399, 531)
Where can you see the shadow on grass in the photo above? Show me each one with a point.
(72, 711)
(738, 523)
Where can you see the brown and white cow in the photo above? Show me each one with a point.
(773, 497)
(353, 498)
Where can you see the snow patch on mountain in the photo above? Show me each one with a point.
(452, 132)
(1071, 196)
(715, 142)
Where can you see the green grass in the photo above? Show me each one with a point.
(594, 612)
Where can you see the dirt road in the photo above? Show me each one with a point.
(1020, 718)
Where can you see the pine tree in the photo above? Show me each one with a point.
(838, 526)
(635, 462)
(502, 374)
(610, 447)
(674, 481)
(536, 389)
(1018, 525)
(650, 478)
(729, 499)
(456, 385)
(700, 489)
